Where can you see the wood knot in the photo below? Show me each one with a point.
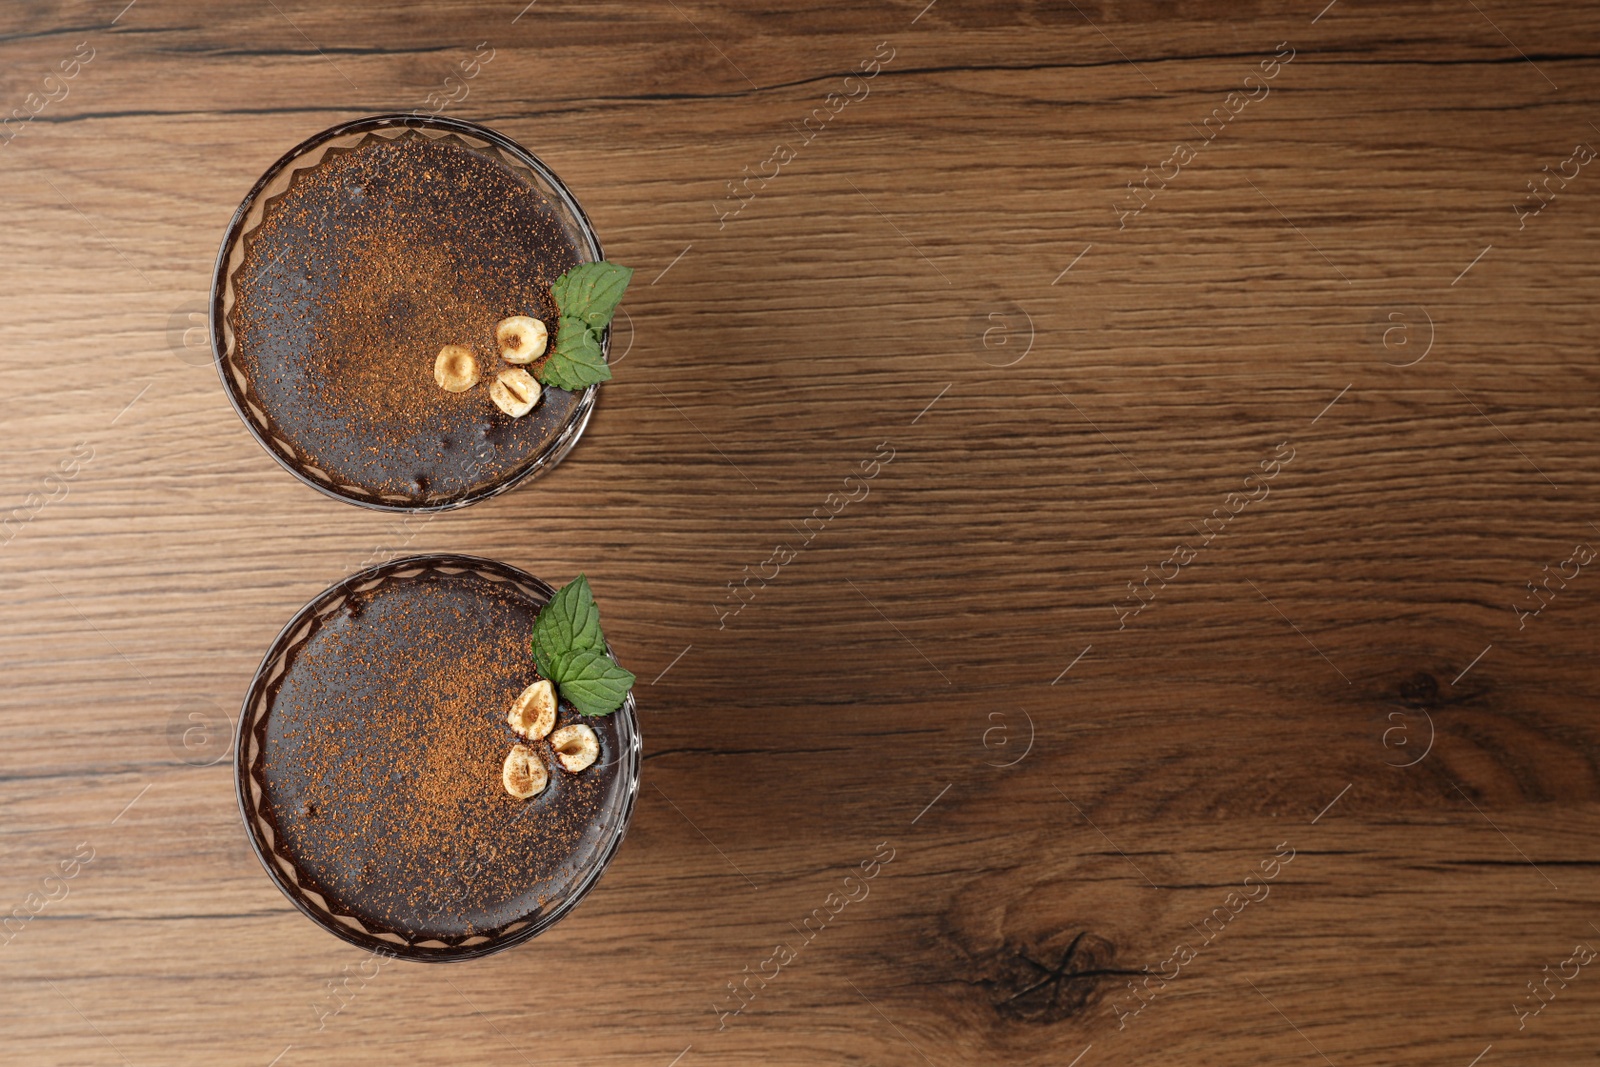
(1421, 690)
(1045, 983)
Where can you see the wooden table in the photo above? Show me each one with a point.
(1207, 678)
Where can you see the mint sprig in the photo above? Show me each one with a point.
(591, 681)
(570, 650)
(577, 360)
(591, 292)
(570, 621)
(586, 297)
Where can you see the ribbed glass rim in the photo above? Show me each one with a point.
(249, 787)
(231, 255)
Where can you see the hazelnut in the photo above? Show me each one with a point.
(524, 773)
(576, 746)
(455, 369)
(521, 339)
(533, 714)
(514, 392)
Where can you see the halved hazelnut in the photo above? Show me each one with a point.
(521, 339)
(514, 392)
(524, 773)
(455, 369)
(576, 746)
(533, 714)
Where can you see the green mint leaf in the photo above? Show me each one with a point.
(587, 297)
(577, 361)
(591, 292)
(591, 681)
(570, 621)
(570, 650)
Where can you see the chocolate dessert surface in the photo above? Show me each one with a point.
(370, 262)
(377, 760)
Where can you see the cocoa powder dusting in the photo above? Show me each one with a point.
(370, 262)
(385, 741)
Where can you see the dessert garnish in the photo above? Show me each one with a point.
(455, 369)
(569, 650)
(514, 392)
(586, 297)
(576, 746)
(533, 714)
(524, 774)
(521, 339)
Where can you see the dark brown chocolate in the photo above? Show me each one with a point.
(359, 273)
(381, 761)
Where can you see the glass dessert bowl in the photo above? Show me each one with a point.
(349, 269)
(374, 768)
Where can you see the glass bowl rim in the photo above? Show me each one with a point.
(575, 425)
(631, 739)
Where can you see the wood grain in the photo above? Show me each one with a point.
(1340, 272)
